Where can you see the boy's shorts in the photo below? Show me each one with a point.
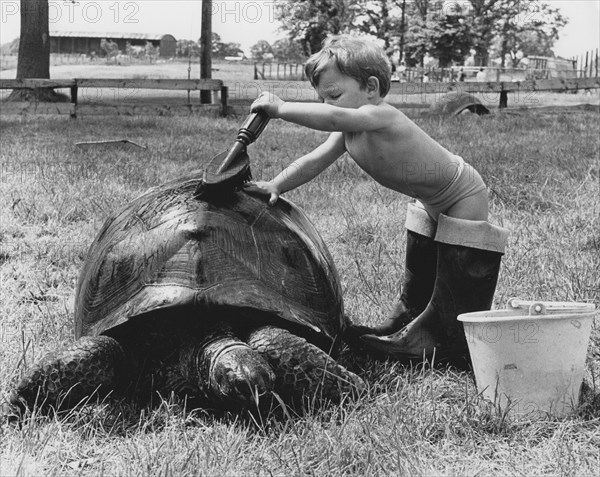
(465, 183)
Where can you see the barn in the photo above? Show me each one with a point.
(89, 43)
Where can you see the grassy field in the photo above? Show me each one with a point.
(543, 174)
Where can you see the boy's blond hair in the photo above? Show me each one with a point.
(354, 57)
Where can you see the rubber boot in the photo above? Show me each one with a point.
(469, 254)
(419, 274)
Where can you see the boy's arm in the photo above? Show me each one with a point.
(326, 117)
(305, 168)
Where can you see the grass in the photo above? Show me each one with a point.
(543, 174)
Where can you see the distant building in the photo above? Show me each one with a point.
(544, 67)
(89, 43)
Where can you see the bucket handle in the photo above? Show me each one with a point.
(540, 307)
(535, 307)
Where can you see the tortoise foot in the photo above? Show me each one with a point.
(86, 369)
(304, 372)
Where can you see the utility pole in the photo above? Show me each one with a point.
(206, 48)
(402, 28)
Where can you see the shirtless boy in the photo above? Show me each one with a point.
(453, 254)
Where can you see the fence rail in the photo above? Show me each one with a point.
(502, 87)
(73, 108)
(216, 86)
(496, 86)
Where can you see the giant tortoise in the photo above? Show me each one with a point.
(222, 299)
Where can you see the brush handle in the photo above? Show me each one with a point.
(254, 125)
(247, 134)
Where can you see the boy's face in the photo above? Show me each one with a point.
(338, 89)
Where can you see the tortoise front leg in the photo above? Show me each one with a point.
(90, 367)
(304, 373)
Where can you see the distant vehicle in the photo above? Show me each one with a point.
(545, 67)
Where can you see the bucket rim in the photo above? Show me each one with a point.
(514, 315)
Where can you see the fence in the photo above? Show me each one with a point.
(400, 92)
(586, 64)
(501, 87)
(126, 87)
(279, 71)
(56, 59)
(463, 73)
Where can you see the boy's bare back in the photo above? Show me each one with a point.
(401, 156)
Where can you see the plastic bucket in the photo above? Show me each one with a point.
(529, 359)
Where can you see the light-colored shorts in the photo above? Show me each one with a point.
(465, 183)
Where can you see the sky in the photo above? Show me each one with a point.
(242, 21)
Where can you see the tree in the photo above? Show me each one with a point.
(309, 22)
(449, 39)
(110, 48)
(187, 48)
(483, 20)
(216, 43)
(288, 50)
(438, 31)
(151, 51)
(445, 30)
(33, 60)
(506, 20)
(533, 32)
(221, 50)
(417, 35)
(260, 49)
(381, 18)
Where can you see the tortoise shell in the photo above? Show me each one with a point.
(169, 248)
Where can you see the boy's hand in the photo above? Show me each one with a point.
(269, 103)
(264, 187)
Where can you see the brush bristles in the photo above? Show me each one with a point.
(213, 184)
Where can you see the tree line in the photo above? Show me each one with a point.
(413, 31)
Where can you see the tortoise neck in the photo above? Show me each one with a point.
(198, 351)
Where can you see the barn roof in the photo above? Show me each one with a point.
(87, 34)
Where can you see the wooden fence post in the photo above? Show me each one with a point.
(74, 100)
(74, 94)
(503, 99)
(224, 94)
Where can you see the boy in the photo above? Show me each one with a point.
(453, 254)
